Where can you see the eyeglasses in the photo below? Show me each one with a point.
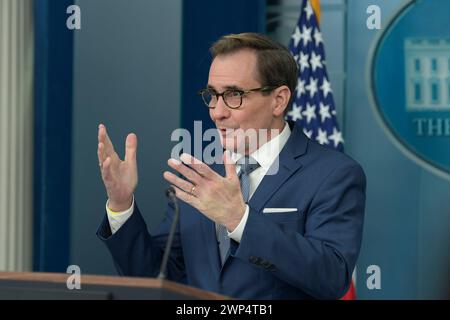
(231, 97)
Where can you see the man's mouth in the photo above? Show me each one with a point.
(226, 131)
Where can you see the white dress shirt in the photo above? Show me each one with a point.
(265, 156)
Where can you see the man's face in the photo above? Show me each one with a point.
(238, 71)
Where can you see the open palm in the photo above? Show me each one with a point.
(120, 177)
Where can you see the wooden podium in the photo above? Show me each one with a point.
(53, 286)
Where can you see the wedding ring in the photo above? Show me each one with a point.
(192, 190)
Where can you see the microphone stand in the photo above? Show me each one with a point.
(170, 193)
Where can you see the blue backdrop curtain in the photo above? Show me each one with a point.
(52, 135)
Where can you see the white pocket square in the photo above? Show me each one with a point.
(279, 210)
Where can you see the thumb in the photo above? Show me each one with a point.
(230, 167)
(131, 147)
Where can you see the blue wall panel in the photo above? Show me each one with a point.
(204, 22)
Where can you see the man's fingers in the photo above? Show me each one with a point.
(101, 133)
(131, 147)
(201, 168)
(186, 197)
(101, 153)
(104, 138)
(178, 182)
(189, 173)
(230, 167)
(106, 170)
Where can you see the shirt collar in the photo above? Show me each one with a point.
(269, 151)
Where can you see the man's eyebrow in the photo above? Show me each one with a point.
(232, 87)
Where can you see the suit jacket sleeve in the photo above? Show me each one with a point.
(320, 260)
(136, 252)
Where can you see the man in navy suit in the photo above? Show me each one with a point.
(281, 218)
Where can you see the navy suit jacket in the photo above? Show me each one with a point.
(306, 254)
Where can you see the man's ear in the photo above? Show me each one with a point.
(282, 95)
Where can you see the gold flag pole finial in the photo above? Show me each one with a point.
(315, 4)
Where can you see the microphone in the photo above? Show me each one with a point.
(170, 194)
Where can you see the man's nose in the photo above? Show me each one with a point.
(221, 110)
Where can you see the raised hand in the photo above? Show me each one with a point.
(120, 177)
(218, 198)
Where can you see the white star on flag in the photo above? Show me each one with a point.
(306, 35)
(296, 36)
(303, 61)
(310, 112)
(336, 137)
(317, 37)
(296, 112)
(325, 87)
(322, 137)
(324, 112)
(316, 61)
(309, 11)
(300, 88)
(312, 87)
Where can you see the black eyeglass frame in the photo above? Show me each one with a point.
(241, 92)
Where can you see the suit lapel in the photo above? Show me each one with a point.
(289, 162)
(270, 184)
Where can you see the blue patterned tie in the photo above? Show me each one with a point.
(247, 165)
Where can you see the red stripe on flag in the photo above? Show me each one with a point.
(351, 293)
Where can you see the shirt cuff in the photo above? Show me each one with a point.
(236, 235)
(118, 219)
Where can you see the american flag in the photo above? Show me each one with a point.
(313, 103)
